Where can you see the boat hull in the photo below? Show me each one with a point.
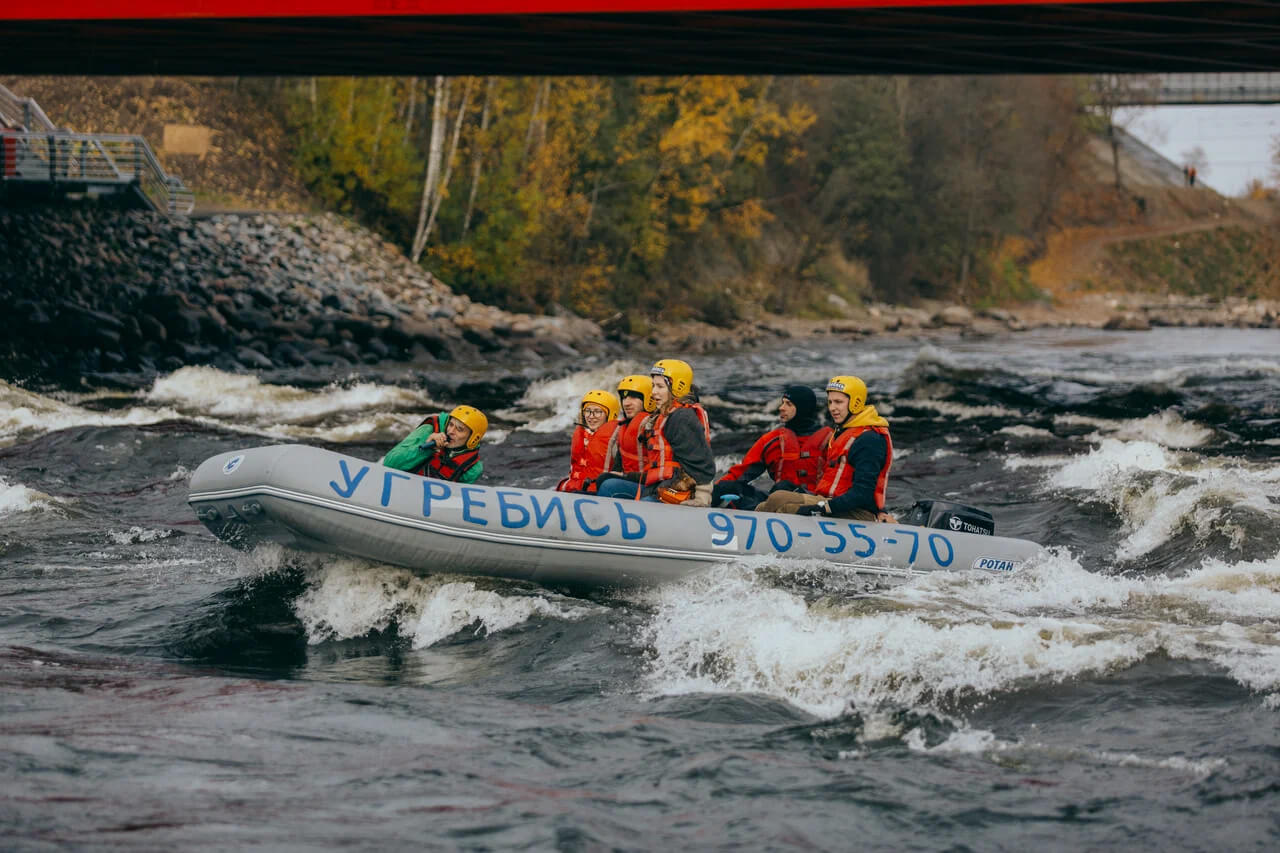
(312, 499)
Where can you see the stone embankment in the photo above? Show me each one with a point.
(92, 291)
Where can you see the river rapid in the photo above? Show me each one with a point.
(161, 690)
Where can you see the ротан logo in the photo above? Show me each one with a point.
(232, 464)
(995, 564)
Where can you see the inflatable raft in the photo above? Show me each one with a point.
(315, 500)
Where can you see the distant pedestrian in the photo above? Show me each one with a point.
(1191, 176)
(1186, 175)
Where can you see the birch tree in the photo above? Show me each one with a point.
(439, 107)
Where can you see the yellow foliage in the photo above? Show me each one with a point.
(746, 219)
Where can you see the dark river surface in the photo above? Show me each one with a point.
(159, 690)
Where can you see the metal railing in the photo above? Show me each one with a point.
(96, 163)
(35, 152)
(1223, 88)
(23, 113)
(1198, 88)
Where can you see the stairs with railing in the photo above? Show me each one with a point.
(39, 160)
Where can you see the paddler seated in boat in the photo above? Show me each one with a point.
(856, 461)
(792, 454)
(443, 446)
(635, 393)
(597, 422)
(676, 463)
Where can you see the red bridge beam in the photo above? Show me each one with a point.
(297, 37)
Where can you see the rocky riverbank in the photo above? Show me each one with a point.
(1120, 312)
(93, 291)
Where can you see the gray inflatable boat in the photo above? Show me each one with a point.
(315, 500)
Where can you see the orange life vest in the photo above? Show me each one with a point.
(838, 476)
(443, 464)
(624, 449)
(590, 450)
(657, 463)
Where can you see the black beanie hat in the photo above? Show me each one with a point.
(806, 403)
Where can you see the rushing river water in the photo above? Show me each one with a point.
(161, 690)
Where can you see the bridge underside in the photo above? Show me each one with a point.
(1237, 35)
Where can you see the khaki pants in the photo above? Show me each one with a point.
(792, 501)
(701, 496)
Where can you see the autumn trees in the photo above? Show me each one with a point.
(690, 196)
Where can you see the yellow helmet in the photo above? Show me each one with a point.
(604, 400)
(677, 372)
(640, 384)
(473, 419)
(853, 388)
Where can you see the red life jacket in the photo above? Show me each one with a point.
(808, 463)
(588, 456)
(786, 456)
(444, 464)
(656, 462)
(838, 476)
(624, 448)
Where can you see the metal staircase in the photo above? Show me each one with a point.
(39, 160)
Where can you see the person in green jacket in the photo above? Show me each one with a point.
(443, 446)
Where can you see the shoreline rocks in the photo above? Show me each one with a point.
(96, 290)
(93, 291)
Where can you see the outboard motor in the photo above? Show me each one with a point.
(946, 515)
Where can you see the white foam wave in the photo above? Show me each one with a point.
(960, 411)
(387, 426)
(929, 354)
(724, 463)
(952, 635)
(721, 632)
(349, 598)
(1024, 431)
(968, 741)
(1159, 492)
(1166, 428)
(136, 535)
(1016, 462)
(563, 396)
(1111, 460)
(1083, 420)
(1177, 375)
(16, 498)
(215, 393)
(23, 413)
(457, 606)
